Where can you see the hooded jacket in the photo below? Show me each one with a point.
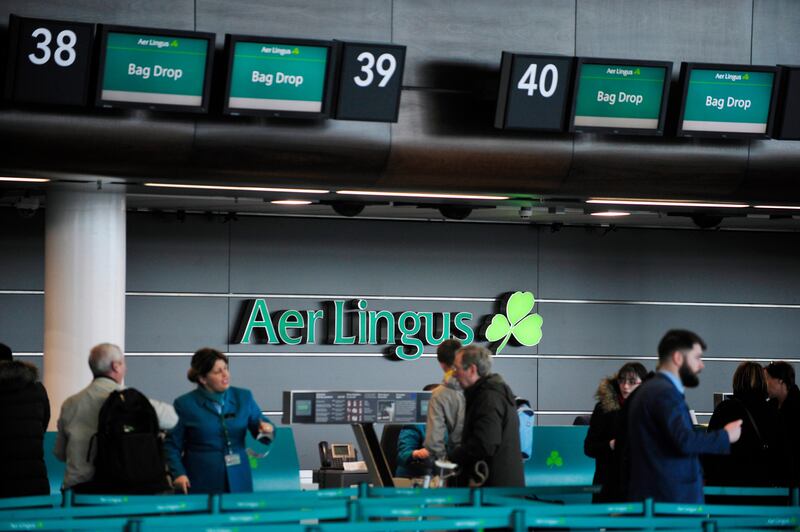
(491, 435)
(604, 427)
(24, 415)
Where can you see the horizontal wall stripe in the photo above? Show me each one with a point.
(435, 298)
(433, 355)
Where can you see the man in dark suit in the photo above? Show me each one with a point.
(664, 446)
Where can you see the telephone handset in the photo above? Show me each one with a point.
(333, 456)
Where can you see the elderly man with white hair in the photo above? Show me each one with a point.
(77, 422)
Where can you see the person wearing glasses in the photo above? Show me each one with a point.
(604, 428)
(206, 449)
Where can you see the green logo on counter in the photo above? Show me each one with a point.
(517, 321)
(554, 460)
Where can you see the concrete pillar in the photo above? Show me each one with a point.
(84, 285)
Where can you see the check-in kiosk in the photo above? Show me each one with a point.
(361, 410)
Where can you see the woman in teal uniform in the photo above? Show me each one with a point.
(206, 449)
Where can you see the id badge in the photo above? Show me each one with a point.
(232, 460)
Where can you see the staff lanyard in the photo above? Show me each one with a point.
(225, 432)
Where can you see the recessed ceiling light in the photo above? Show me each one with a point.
(611, 214)
(667, 203)
(239, 188)
(25, 179)
(290, 202)
(779, 207)
(432, 195)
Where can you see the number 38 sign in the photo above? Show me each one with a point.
(48, 61)
(370, 79)
(534, 90)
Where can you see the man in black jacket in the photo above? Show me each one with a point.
(489, 454)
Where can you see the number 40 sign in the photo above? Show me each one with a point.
(370, 79)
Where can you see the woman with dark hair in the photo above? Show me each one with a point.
(754, 459)
(24, 415)
(206, 449)
(785, 396)
(604, 427)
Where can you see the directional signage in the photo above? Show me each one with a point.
(157, 69)
(787, 125)
(48, 61)
(621, 96)
(534, 90)
(727, 100)
(370, 79)
(279, 77)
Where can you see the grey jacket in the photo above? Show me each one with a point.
(445, 417)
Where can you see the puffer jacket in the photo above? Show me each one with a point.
(491, 436)
(604, 427)
(24, 415)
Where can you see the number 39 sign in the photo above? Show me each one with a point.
(48, 61)
(370, 80)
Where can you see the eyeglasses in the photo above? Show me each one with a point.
(629, 382)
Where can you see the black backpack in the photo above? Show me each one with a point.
(130, 455)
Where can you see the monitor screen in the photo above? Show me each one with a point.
(340, 450)
(157, 69)
(621, 96)
(726, 100)
(278, 77)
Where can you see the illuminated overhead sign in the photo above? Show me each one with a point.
(279, 77)
(621, 96)
(727, 100)
(155, 69)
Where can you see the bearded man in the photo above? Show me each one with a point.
(664, 446)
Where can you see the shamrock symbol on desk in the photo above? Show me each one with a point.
(517, 322)
(554, 460)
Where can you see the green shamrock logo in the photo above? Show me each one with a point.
(746, 77)
(525, 328)
(554, 460)
(637, 72)
(174, 44)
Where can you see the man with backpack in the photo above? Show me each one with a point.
(124, 413)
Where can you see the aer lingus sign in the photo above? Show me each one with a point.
(356, 323)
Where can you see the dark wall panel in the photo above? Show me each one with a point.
(634, 330)
(775, 36)
(22, 322)
(175, 324)
(676, 265)
(152, 13)
(473, 32)
(280, 255)
(166, 254)
(22, 242)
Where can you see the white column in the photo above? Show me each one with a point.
(84, 285)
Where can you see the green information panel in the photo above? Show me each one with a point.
(619, 96)
(727, 101)
(154, 69)
(272, 76)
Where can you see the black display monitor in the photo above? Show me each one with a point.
(277, 76)
(787, 114)
(154, 68)
(730, 101)
(348, 407)
(620, 96)
(534, 92)
(49, 61)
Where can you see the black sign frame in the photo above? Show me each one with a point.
(13, 67)
(399, 52)
(787, 111)
(102, 40)
(327, 91)
(662, 115)
(687, 68)
(505, 104)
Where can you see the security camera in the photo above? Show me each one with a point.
(525, 213)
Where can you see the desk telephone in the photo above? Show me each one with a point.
(333, 456)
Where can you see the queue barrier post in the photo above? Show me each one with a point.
(795, 496)
(518, 521)
(67, 497)
(648, 507)
(214, 503)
